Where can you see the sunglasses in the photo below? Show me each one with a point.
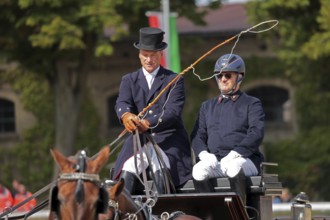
(226, 75)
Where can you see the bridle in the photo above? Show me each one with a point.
(80, 177)
(118, 214)
(144, 208)
(113, 204)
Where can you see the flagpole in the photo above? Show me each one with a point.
(166, 28)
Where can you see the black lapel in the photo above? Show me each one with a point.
(158, 82)
(142, 82)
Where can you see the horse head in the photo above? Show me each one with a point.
(79, 194)
(121, 205)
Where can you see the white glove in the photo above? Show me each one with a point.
(208, 157)
(232, 155)
(224, 163)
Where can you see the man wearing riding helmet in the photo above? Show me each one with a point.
(228, 131)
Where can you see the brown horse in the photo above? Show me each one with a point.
(78, 194)
(122, 206)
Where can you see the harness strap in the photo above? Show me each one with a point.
(119, 144)
(176, 214)
(137, 147)
(36, 209)
(163, 168)
(24, 216)
(168, 180)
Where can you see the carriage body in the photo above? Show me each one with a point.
(224, 203)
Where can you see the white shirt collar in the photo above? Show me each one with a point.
(150, 76)
(153, 73)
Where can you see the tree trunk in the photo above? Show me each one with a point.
(69, 85)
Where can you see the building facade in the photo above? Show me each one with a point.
(103, 82)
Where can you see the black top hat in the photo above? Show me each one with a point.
(151, 39)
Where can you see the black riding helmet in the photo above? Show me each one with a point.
(230, 63)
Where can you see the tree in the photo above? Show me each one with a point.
(60, 39)
(53, 44)
(302, 42)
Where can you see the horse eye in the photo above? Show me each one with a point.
(75, 166)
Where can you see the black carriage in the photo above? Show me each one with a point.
(224, 203)
(221, 204)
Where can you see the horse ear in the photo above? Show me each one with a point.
(121, 184)
(102, 157)
(60, 159)
(118, 188)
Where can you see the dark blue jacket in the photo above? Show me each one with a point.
(170, 133)
(226, 124)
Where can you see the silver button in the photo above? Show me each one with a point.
(160, 119)
(151, 112)
(153, 134)
(119, 109)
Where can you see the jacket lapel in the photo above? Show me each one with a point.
(158, 82)
(142, 82)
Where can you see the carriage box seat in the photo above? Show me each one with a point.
(266, 184)
(260, 190)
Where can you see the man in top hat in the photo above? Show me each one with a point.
(162, 120)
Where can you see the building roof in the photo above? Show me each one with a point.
(229, 18)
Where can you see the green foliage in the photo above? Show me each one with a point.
(303, 162)
(44, 35)
(60, 32)
(302, 43)
(30, 161)
(60, 27)
(104, 49)
(318, 45)
(88, 136)
(27, 161)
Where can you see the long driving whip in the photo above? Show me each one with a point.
(194, 64)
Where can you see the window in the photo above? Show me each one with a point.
(113, 121)
(275, 102)
(7, 116)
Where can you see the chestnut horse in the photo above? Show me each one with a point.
(122, 206)
(79, 194)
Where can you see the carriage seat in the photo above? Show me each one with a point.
(260, 191)
(264, 184)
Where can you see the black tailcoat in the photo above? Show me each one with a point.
(170, 134)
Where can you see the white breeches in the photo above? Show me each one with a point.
(149, 150)
(203, 170)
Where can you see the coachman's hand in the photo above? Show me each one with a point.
(144, 126)
(130, 121)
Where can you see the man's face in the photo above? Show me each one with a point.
(226, 82)
(150, 60)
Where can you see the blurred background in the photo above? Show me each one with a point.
(61, 62)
